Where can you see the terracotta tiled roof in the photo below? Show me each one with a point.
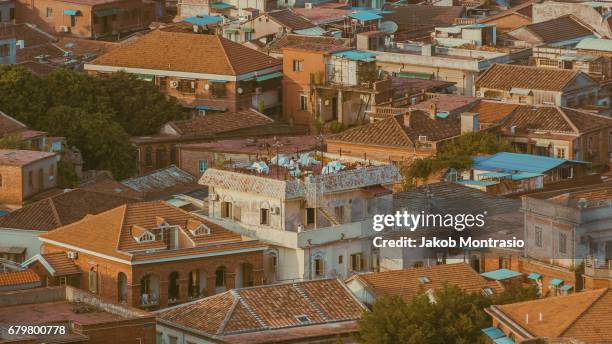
(291, 40)
(61, 210)
(490, 112)
(558, 29)
(62, 265)
(584, 316)
(185, 52)
(406, 283)
(506, 76)
(112, 233)
(525, 9)
(16, 278)
(413, 17)
(267, 308)
(392, 132)
(9, 125)
(215, 123)
(289, 19)
(554, 119)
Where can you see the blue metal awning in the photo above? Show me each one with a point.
(71, 12)
(221, 6)
(534, 276)
(567, 287)
(365, 16)
(501, 274)
(493, 332)
(203, 20)
(218, 81)
(269, 76)
(556, 282)
(503, 340)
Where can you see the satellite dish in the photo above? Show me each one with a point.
(388, 27)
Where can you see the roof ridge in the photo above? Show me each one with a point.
(310, 301)
(567, 119)
(401, 127)
(230, 312)
(602, 293)
(259, 319)
(54, 211)
(120, 231)
(221, 42)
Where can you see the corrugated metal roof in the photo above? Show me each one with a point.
(595, 44)
(159, 180)
(365, 16)
(203, 20)
(357, 55)
(509, 162)
(313, 31)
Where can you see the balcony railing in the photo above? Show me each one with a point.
(598, 268)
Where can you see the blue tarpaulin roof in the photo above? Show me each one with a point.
(525, 175)
(556, 281)
(509, 162)
(269, 76)
(494, 175)
(567, 287)
(365, 16)
(534, 276)
(493, 332)
(203, 20)
(357, 55)
(500, 274)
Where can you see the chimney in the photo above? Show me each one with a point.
(433, 110)
(407, 119)
(428, 49)
(469, 122)
(526, 318)
(541, 317)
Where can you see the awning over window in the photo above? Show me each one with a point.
(556, 282)
(534, 276)
(493, 332)
(231, 30)
(218, 81)
(71, 12)
(415, 75)
(247, 29)
(377, 190)
(107, 12)
(269, 76)
(567, 287)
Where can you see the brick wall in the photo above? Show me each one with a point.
(11, 188)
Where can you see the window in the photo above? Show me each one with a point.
(339, 212)
(297, 65)
(202, 165)
(590, 144)
(49, 12)
(201, 230)
(73, 20)
(356, 262)
(158, 338)
(149, 156)
(12, 14)
(172, 339)
(162, 82)
(186, 86)
(248, 36)
(62, 280)
(567, 172)
(220, 277)
(487, 291)
(318, 267)
(302, 319)
(424, 279)
(51, 171)
(504, 262)
(5, 50)
(340, 259)
(562, 243)
(561, 153)
(310, 216)
(538, 236)
(93, 280)
(218, 89)
(146, 237)
(31, 178)
(226, 209)
(264, 217)
(303, 102)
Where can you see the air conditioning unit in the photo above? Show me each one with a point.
(72, 255)
(64, 28)
(308, 5)
(479, 94)
(275, 210)
(213, 197)
(173, 84)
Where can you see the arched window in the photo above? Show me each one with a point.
(201, 230)
(173, 286)
(220, 276)
(149, 156)
(93, 280)
(122, 289)
(149, 290)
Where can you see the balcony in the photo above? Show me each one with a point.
(597, 268)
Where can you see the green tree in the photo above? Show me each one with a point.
(454, 317)
(456, 154)
(66, 175)
(516, 292)
(13, 142)
(97, 115)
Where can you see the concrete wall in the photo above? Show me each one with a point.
(21, 238)
(583, 11)
(6, 9)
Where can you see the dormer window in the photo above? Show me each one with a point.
(487, 291)
(304, 319)
(424, 279)
(201, 230)
(146, 236)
